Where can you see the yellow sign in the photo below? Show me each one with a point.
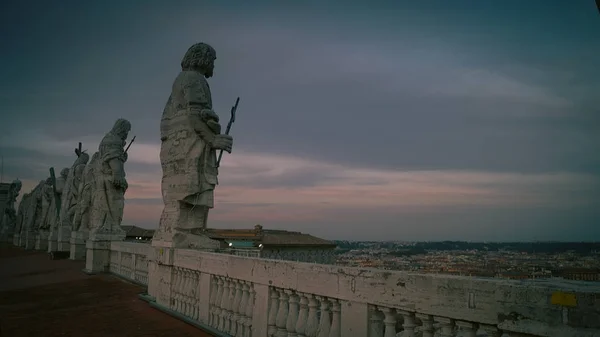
(564, 299)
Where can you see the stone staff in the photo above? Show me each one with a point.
(231, 120)
(57, 200)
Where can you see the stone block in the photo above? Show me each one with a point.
(64, 239)
(41, 241)
(97, 257)
(53, 241)
(78, 249)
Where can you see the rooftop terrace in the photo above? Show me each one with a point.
(44, 298)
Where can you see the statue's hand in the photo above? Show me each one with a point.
(125, 156)
(207, 115)
(223, 142)
(120, 182)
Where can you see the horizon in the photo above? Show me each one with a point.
(428, 122)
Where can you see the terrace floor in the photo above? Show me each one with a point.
(47, 298)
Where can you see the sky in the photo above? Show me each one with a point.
(378, 120)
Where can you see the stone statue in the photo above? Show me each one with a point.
(33, 216)
(9, 218)
(70, 194)
(84, 202)
(54, 219)
(190, 134)
(48, 205)
(110, 185)
(20, 220)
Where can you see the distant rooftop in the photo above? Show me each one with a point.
(268, 237)
(258, 235)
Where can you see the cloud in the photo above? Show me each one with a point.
(364, 116)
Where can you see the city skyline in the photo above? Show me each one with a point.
(403, 122)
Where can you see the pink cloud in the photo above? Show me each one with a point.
(241, 198)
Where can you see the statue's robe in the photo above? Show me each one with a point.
(81, 220)
(187, 156)
(108, 200)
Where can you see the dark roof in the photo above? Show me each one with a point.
(137, 231)
(268, 237)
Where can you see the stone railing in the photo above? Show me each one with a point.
(251, 297)
(129, 260)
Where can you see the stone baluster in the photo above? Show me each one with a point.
(376, 327)
(190, 293)
(237, 299)
(242, 312)
(389, 321)
(336, 319)
(292, 318)
(223, 305)
(408, 323)
(492, 331)
(325, 321)
(427, 329)
(282, 314)
(185, 305)
(249, 310)
(447, 327)
(176, 290)
(302, 316)
(181, 291)
(211, 300)
(196, 295)
(172, 305)
(470, 329)
(273, 309)
(217, 309)
(312, 322)
(230, 308)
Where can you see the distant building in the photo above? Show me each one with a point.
(133, 233)
(274, 244)
(514, 275)
(4, 188)
(579, 274)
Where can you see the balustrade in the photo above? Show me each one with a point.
(222, 291)
(391, 322)
(129, 260)
(231, 306)
(296, 314)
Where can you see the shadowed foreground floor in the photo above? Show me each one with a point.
(44, 298)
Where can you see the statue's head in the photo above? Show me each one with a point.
(16, 185)
(121, 128)
(64, 172)
(201, 58)
(82, 159)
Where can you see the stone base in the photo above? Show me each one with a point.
(64, 239)
(53, 242)
(29, 240)
(41, 241)
(78, 249)
(16, 239)
(7, 236)
(97, 258)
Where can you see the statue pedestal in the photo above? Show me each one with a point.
(97, 258)
(29, 242)
(41, 241)
(78, 248)
(53, 241)
(64, 239)
(17, 239)
(7, 235)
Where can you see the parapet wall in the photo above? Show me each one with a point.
(270, 296)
